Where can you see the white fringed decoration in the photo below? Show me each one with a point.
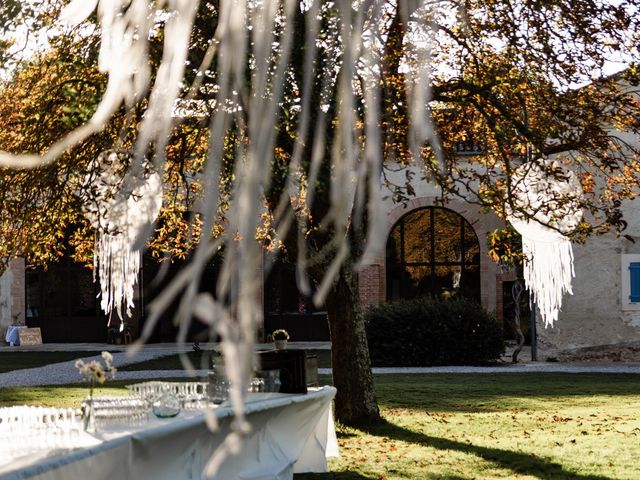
(119, 220)
(548, 268)
(547, 199)
(124, 26)
(252, 41)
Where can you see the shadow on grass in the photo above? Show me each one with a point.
(354, 476)
(20, 360)
(521, 463)
(498, 391)
(331, 476)
(203, 359)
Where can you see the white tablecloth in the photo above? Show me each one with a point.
(12, 336)
(289, 433)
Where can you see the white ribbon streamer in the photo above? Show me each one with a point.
(119, 219)
(547, 199)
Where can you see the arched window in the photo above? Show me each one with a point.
(433, 251)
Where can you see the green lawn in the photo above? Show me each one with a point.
(65, 396)
(10, 361)
(202, 359)
(502, 426)
(465, 426)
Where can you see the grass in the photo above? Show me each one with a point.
(502, 426)
(10, 361)
(202, 359)
(464, 426)
(64, 396)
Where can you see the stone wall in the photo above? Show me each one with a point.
(594, 321)
(598, 314)
(17, 298)
(18, 290)
(620, 352)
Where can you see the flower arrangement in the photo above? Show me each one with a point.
(94, 372)
(280, 334)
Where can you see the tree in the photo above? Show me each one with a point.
(337, 105)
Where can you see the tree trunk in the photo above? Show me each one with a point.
(355, 402)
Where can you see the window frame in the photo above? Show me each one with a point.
(625, 284)
(392, 264)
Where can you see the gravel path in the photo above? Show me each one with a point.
(519, 368)
(66, 373)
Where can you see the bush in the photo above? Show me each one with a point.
(430, 331)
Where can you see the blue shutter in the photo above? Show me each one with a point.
(634, 269)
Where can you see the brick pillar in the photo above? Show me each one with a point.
(371, 285)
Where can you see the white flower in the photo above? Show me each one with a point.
(108, 359)
(93, 371)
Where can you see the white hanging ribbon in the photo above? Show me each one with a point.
(119, 219)
(547, 199)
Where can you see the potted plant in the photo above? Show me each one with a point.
(280, 337)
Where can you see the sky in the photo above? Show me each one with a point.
(29, 42)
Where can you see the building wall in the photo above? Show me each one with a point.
(13, 312)
(371, 283)
(17, 291)
(598, 314)
(598, 321)
(372, 277)
(596, 317)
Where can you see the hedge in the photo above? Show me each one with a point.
(430, 331)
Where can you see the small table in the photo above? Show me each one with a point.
(12, 336)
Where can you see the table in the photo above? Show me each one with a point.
(289, 434)
(12, 336)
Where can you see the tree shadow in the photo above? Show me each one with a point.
(517, 462)
(356, 476)
(331, 476)
(491, 392)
